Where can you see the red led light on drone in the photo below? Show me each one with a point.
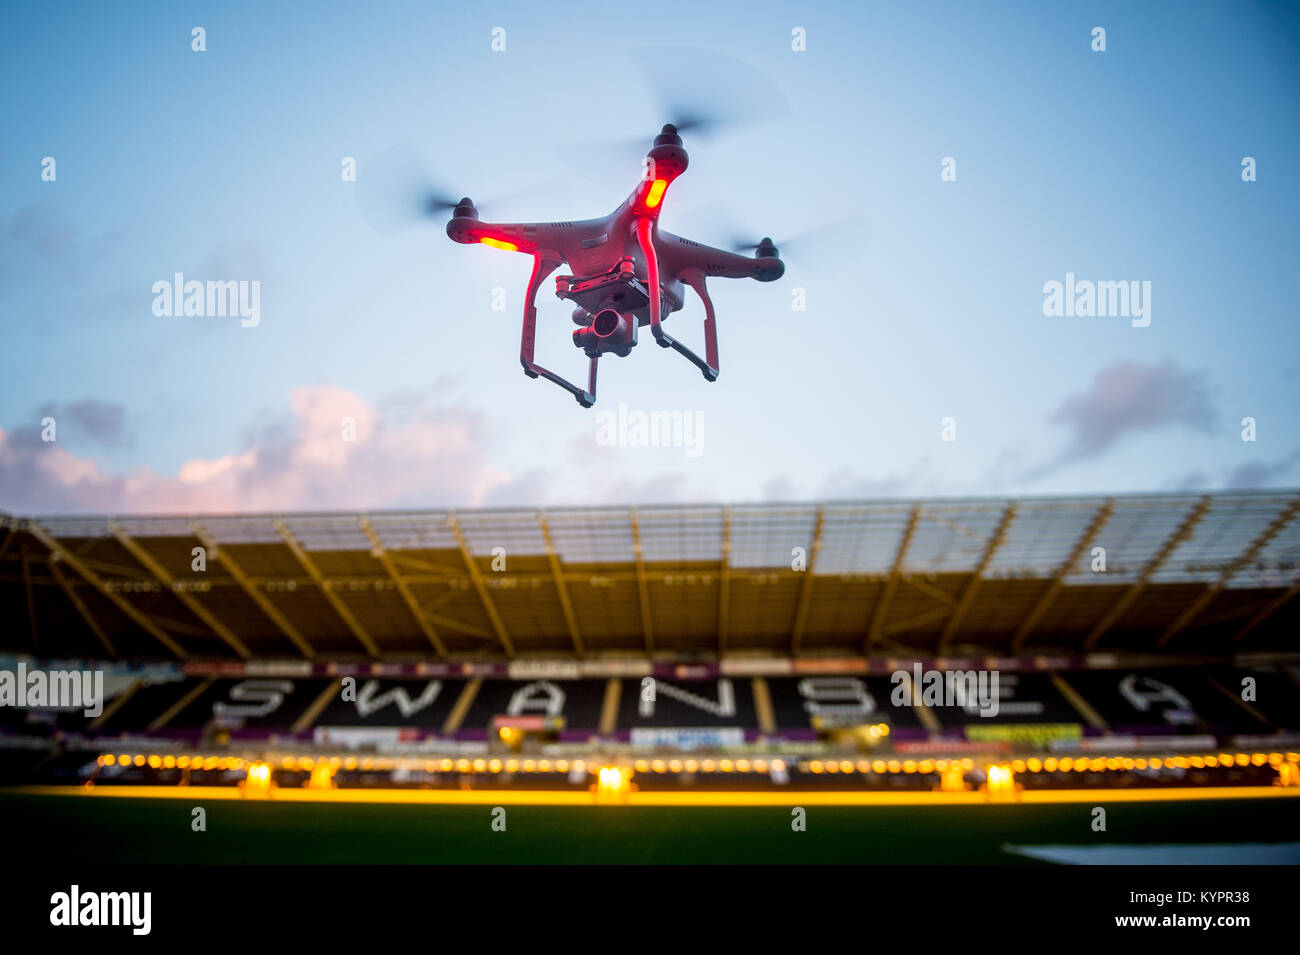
(499, 244)
(656, 193)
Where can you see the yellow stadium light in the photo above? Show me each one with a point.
(894, 766)
(742, 765)
(1001, 781)
(494, 766)
(1034, 764)
(480, 765)
(512, 765)
(613, 783)
(691, 766)
(674, 765)
(322, 776)
(878, 766)
(543, 765)
(139, 760)
(953, 779)
(909, 766)
(659, 766)
(169, 762)
(258, 778)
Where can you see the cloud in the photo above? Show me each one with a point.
(103, 422)
(848, 486)
(427, 455)
(1256, 474)
(1124, 398)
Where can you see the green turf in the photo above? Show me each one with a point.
(158, 831)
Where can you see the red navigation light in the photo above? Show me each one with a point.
(656, 193)
(499, 244)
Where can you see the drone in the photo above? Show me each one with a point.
(627, 271)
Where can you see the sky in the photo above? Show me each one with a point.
(922, 363)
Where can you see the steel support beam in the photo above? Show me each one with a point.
(1180, 534)
(1270, 608)
(724, 583)
(348, 617)
(1058, 579)
(380, 553)
(82, 609)
(875, 629)
(164, 577)
(805, 591)
(1245, 557)
(643, 591)
(561, 591)
(968, 593)
(477, 578)
(251, 590)
(59, 552)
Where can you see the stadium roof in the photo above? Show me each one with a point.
(1192, 572)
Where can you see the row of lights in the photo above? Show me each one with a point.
(709, 766)
(1052, 764)
(155, 761)
(880, 766)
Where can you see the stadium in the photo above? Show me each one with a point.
(712, 668)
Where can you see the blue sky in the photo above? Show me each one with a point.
(1122, 165)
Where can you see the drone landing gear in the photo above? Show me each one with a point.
(695, 279)
(541, 269)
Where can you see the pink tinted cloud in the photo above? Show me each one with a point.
(421, 456)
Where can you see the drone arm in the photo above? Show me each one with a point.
(709, 368)
(543, 267)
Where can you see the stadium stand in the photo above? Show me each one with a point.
(695, 643)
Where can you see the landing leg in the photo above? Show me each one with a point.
(541, 269)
